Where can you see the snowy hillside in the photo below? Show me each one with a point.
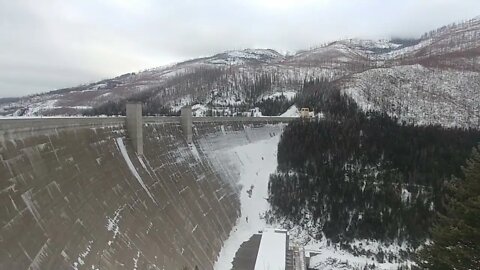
(420, 95)
(256, 162)
(245, 56)
(441, 68)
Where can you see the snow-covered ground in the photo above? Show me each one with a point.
(272, 248)
(240, 57)
(254, 159)
(419, 95)
(257, 161)
(291, 112)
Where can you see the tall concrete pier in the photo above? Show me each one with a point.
(135, 125)
(186, 120)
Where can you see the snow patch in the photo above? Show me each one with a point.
(271, 250)
(112, 224)
(199, 110)
(132, 168)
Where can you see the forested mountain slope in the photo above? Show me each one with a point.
(441, 68)
(361, 176)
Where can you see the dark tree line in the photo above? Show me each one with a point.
(362, 175)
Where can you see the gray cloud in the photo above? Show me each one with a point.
(51, 44)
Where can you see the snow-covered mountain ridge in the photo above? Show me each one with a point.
(233, 78)
(419, 95)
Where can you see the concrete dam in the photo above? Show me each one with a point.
(79, 193)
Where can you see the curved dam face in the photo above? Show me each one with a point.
(79, 197)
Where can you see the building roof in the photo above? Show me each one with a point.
(272, 250)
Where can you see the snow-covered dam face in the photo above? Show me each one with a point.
(80, 198)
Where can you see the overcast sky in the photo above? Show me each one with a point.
(50, 44)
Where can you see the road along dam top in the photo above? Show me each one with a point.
(75, 195)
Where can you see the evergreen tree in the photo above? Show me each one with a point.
(456, 236)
